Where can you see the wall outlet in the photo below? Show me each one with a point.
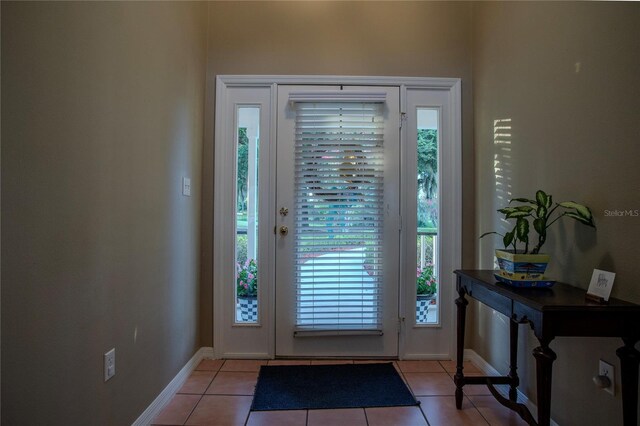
(109, 364)
(607, 370)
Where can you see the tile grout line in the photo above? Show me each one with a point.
(469, 399)
(421, 407)
(478, 410)
(406, 382)
(228, 394)
(203, 394)
(192, 410)
(246, 421)
(401, 371)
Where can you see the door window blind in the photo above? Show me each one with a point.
(339, 163)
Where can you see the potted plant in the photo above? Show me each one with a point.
(530, 264)
(427, 287)
(247, 289)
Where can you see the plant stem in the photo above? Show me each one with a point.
(541, 241)
(554, 220)
(549, 215)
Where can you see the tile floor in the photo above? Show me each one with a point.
(219, 392)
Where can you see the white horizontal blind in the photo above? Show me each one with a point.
(339, 198)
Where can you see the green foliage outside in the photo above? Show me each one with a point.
(427, 159)
(241, 248)
(427, 178)
(426, 282)
(243, 169)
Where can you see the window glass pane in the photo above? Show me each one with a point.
(247, 151)
(427, 175)
(340, 210)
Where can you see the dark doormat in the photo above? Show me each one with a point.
(297, 387)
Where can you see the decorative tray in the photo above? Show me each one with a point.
(541, 282)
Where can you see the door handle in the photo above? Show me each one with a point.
(284, 230)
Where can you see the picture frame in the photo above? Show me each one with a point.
(600, 285)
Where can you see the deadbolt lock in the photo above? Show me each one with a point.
(284, 211)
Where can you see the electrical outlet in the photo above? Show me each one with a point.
(607, 370)
(109, 364)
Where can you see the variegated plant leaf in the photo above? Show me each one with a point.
(580, 209)
(517, 214)
(539, 225)
(581, 219)
(542, 198)
(522, 230)
(508, 238)
(522, 200)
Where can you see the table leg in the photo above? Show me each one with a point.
(458, 378)
(629, 361)
(544, 362)
(513, 361)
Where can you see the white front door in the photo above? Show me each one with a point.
(325, 205)
(338, 204)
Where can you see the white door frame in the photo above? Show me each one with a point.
(262, 335)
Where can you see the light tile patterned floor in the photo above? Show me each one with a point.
(219, 393)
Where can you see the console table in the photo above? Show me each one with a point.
(561, 310)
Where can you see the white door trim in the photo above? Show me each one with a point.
(410, 82)
(222, 189)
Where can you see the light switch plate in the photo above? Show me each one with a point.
(186, 187)
(109, 364)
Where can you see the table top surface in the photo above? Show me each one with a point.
(561, 296)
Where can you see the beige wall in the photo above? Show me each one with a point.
(567, 75)
(102, 115)
(335, 38)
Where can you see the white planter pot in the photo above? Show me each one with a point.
(248, 308)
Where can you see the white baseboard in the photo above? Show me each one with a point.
(165, 396)
(244, 355)
(428, 357)
(489, 370)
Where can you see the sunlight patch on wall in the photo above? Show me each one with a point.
(502, 169)
(502, 159)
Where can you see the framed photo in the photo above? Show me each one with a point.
(601, 284)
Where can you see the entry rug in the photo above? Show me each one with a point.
(299, 387)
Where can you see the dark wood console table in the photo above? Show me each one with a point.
(558, 311)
